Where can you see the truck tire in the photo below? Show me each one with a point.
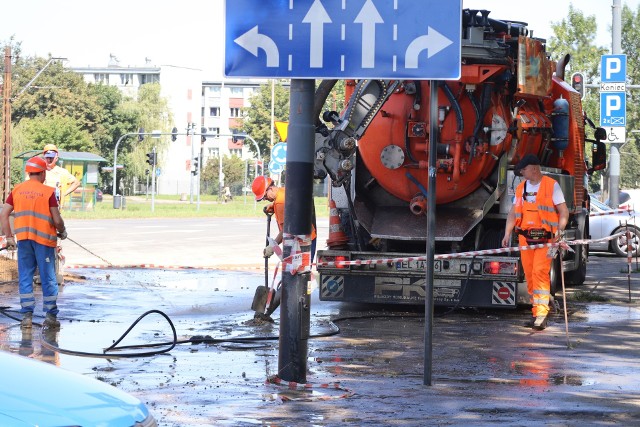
(579, 275)
(555, 276)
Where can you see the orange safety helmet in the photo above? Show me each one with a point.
(35, 165)
(260, 185)
(49, 147)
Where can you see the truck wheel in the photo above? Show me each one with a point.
(555, 277)
(579, 275)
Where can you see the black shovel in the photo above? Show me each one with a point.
(262, 292)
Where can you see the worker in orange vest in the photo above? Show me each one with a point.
(539, 215)
(264, 188)
(37, 219)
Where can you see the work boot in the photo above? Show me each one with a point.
(27, 321)
(51, 322)
(529, 323)
(540, 323)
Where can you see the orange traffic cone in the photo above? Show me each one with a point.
(337, 238)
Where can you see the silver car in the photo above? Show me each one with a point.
(601, 226)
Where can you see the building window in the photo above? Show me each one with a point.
(236, 91)
(101, 78)
(126, 79)
(213, 131)
(213, 151)
(214, 111)
(236, 152)
(235, 112)
(214, 90)
(149, 78)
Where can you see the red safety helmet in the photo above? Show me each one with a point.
(35, 164)
(260, 185)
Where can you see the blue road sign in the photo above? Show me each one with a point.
(613, 68)
(158, 171)
(415, 39)
(613, 109)
(279, 153)
(275, 167)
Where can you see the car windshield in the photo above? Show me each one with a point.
(599, 205)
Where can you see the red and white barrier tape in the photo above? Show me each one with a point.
(461, 254)
(614, 211)
(291, 385)
(163, 267)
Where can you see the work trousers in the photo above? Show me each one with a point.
(536, 267)
(31, 255)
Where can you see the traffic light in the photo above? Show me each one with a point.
(140, 134)
(195, 166)
(174, 134)
(151, 159)
(250, 168)
(203, 136)
(146, 171)
(577, 82)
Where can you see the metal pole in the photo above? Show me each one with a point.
(198, 175)
(431, 227)
(193, 133)
(153, 181)
(295, 309)
(5, 153)
(614, 154)
(220, 174)
(115, 169)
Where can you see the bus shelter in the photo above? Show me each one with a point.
(84, 166)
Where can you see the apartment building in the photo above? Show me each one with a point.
(215, 105)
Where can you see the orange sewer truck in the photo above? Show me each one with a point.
(511, 100)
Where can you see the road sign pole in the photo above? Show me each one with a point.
(295, 317)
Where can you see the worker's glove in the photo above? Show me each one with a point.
(268, 251)
(11, 244)
(268, 209)
(62, 234)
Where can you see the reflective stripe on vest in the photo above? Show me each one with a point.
(33, 219)
(547, 217)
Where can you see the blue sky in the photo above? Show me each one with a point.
(190, 32)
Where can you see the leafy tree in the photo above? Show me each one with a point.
(257, 121)
(233, 168)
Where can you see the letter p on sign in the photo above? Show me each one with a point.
(613, 68)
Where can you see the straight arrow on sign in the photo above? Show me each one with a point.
(368, 17)
(317, 16)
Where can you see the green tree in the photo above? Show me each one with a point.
(233, 168)
(575, 35)
(257, 121)
(630, 173)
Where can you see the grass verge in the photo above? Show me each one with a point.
(172, 207)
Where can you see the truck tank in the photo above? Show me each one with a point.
(506, 104)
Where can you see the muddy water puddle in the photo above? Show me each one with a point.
(486, 367)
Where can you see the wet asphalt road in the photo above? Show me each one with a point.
(487, 369)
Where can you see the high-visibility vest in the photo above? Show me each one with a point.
(33, 219)
(547, 217)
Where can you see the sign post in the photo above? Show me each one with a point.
(613, 114)
(310, 39)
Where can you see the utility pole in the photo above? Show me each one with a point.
(614, 153)
(5, 153)
(153, 180)
(192, 127)
(295, 317)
